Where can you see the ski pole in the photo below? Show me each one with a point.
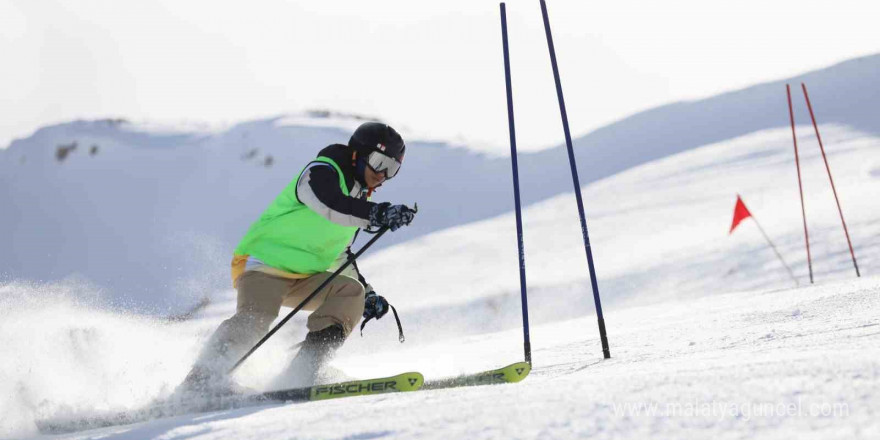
(309, 298)
(527, 345)
(606, 351)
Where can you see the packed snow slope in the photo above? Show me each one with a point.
(710, 337)
(150, 214)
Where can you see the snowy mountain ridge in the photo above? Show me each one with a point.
(151, 212)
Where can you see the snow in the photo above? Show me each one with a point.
(709, 337)
(768, 364)
(664, 221)
(107, 255)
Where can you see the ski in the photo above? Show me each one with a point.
(402, 382)
(510, 374)
(405, 382)
(411, 381)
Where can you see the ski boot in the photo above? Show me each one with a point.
(315, 353)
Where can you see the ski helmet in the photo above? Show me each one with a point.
(380, 146)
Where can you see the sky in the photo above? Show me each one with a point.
(434, 70)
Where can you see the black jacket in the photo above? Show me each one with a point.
(318, 188)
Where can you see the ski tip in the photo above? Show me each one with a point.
(411, 381)
(517, 371)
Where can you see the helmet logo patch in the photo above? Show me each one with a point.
(380, 147)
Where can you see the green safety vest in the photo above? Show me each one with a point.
(291, 237)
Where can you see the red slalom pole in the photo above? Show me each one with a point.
(833, 189)
(797, 164)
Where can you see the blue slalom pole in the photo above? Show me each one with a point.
(577, 185)
(527, 347)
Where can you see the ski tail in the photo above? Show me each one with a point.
(400, 383)
(510, 374)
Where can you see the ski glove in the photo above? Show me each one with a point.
(391, 216)
(375, 306)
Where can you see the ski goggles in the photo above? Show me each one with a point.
(380, 163)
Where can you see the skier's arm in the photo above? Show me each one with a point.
(318, 188)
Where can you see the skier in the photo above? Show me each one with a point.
(286, 255)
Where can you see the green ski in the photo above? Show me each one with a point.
(510, 374)
(402, 382)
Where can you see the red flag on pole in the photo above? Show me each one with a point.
(740, 213)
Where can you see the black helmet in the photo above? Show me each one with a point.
(372, 140)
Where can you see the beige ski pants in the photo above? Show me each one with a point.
(260, 297)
